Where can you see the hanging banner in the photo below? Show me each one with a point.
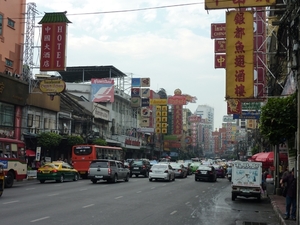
(220, 61)
(239, 55)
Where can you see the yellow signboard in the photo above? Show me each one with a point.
(164, 108)
(165, 114)
(158, 101)
(239, 55)
(161, 119)
(164, 119)
(225, 4)
(164, 131)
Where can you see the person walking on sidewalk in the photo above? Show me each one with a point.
(291, 195)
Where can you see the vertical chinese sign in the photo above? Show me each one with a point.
(218, 33)
(53, 43)
(239, 55)
(161, 119)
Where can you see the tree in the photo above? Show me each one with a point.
(99, 141)
(278, 119)
(48, 140)
(74, 140)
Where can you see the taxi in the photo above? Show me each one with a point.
(57, 170)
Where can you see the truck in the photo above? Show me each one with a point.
(246, 179)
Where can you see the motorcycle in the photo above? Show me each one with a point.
(229, 177)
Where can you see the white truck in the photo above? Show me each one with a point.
(246, 179)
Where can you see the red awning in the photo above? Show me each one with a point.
(30, 153)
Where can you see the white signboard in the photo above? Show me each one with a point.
(38, 154)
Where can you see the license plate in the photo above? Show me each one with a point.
(98, 176)
(245, 190)
(203, 172)
(135, 168)
(46, 171)
(82, 172)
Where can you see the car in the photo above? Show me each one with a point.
(109, 170)
(194, 166)
(153, 162)
(187, 165)
(57, 170)
(220, 171)
(179, 169)
(206, 172)
(140, 167)
(161, 171)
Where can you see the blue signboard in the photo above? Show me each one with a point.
(5, 163)
(135, 82)
(145, 102)
(135, 92)
(248, 115)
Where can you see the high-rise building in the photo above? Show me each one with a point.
(206, 112)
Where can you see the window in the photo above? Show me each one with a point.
(9, 63)
(1, 22)
(11, 23)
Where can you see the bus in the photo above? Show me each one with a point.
(12, 155)
(82, 155)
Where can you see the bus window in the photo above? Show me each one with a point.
(7, 151)
(14, 150)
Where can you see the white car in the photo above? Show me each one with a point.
(161, 172)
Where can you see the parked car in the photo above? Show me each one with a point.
(194, 166)
(109, 170)
(220, 171)
(179, 170)
(161, 171)
(206, 172)
(140, 167)
(57, 170)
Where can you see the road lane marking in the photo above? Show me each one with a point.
(4, 203)
(172, 213)
(43, 218)
(53, 194)
(27, 189)
(196, 196)
(138, 191)
(153, 188)
(83, 189)
(164, 184)
(86, 206)
(187, 203)
(118, 197)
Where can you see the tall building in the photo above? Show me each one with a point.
(206, 112)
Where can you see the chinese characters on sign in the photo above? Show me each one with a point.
(239, 55)
(225, 4)
(161, 119)
(53, 47)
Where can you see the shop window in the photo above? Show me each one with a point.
(37, 121)
(9, 63)
(6, 114)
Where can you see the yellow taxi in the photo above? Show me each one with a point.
(57, 170)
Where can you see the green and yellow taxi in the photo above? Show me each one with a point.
(57, 170)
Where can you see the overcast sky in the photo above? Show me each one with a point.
(171, 44)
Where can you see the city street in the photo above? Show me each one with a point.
(135, 202)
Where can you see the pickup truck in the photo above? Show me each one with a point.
(109, 170)
(246, 179)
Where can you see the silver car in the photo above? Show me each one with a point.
(161, 172)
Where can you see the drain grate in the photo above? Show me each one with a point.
(254, 223)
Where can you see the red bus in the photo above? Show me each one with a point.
(82, 155)
(12, 155)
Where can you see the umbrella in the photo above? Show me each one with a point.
(268, 157)
(30, 153)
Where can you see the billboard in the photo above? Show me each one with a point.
(102, 90)
(239, 55)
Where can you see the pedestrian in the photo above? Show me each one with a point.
(291, 195)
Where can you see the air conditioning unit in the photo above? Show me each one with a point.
(9, 73)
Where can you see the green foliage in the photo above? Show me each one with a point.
(74, 140)
(99, 141)
(48, 140)
(254, 150)
(278, 119)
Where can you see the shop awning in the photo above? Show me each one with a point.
(30, 153)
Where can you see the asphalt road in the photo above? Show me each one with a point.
(137, 202)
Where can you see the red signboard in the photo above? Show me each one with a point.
(220, 61)
(194, 118)
(220, 46)
(53, 47)
(177, 119)
(177, 100)
(234, 106)
(218, 30)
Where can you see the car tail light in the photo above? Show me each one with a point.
(144, 166)
(197, 171)
(109, 171)
(179, 171)
(53, 171)
(210, 172)
(166, 171)
(89, 171)
(150, 171)
(39, 171)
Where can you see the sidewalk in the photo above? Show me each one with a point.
(278, 203)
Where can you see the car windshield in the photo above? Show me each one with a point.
(99, 164)
(49, 166)
(204, 168)
(159, 167)
(137, 163)
(175, 165)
